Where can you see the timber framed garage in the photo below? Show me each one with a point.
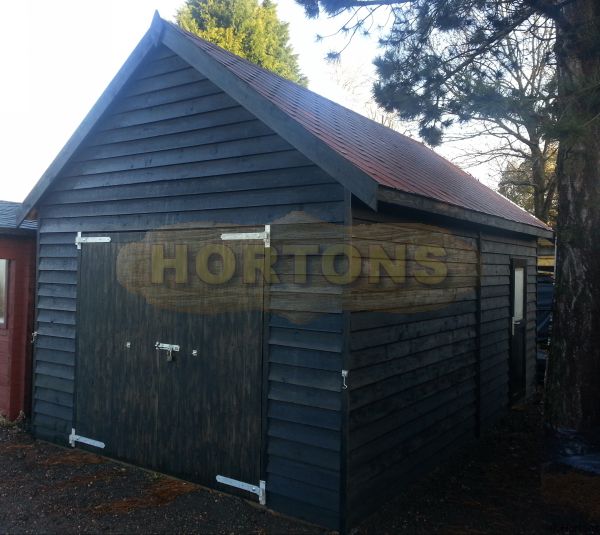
(17, 287)
(244, 284)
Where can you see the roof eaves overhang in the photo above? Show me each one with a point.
(417, 202)
(351, 177)
(148, 42)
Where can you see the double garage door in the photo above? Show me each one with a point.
(169, 362)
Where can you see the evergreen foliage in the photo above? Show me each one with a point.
(246, 28)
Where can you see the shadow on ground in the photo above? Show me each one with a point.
(498, 486)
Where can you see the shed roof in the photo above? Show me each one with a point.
(370, 159)
(8, 217)
(391, 158)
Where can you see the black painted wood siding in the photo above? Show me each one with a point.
(414, 376)
(496, 253)
(175, 150)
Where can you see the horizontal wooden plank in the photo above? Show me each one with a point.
(457, 409)
(332, 323)
(43, 380)
(58, 239)
(303, 453)
(52, 410)
(409, 364)
(193, 138)
(304, 434)
(56, 330)
(302, 414)
(58, 264)
(51, 426)
(168, 111)
(59, 251)
(319, 477)
(255, 215)
(301, 395)
(52, 342)
(209, 168)
(52, 396)
(57, 290)
(55, 370)
(209, 119)
(57, 303)
(360, 339)
(53, 356)
(304, 492)
(292, 356)
(514, 251)
(267, 180)
(372, 320)
(311, 513)
(167, 95)
(214, 201)
(293, 375)
(430, 432)
(61, 317)
(163, 81)
(388, 352)
(237, 148)
(362, 433)
(160, 65)
(392, 387)
(384, 406)
(299, 338)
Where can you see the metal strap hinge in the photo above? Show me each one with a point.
(73, 437)
(265, 236)
(90, 239)
(260, 489)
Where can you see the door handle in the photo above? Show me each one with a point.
(514, 322)
(169, 348)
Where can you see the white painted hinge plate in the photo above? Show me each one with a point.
(74, 437)
(260, 489)
(79, 239)
(265, 236)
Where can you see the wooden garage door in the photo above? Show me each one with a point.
(194, 412)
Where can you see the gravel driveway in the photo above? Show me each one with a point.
(47, 489)
(496, 486)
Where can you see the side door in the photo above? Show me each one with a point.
(518, 306)
(169, 367)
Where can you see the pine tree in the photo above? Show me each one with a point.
(439, 44)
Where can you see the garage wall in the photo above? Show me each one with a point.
(496, 253)
(429, 364)
(173, 149)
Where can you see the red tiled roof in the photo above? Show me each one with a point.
(390, 158)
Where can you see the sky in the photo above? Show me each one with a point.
(58, 56)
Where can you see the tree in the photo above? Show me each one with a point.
(246, 28)
(355, 82)
(440, 42)
(517, 183)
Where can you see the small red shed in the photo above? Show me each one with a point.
(17, 284)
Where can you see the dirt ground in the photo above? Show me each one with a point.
(498, 486)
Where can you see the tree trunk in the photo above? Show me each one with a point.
(573, 375)
(540, 184)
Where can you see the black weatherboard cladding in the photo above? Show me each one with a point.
(425, 383)
(174, 149)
